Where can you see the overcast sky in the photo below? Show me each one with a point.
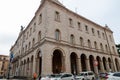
(14, 13)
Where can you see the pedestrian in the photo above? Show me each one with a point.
(34, 76)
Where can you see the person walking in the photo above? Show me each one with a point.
(34, 76)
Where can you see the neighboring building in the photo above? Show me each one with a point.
(4, 60)
(59, 40)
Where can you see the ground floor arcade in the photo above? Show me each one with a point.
(57, 60)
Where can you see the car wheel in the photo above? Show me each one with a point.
(82, 79)
(93, 79)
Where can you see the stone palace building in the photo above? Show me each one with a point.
(59, 40)
(4, 61)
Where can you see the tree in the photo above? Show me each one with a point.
(118, 48)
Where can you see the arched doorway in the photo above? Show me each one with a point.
(83, 62)
(109, 62)
(57, 61)
(91, 59)
(31, 67)
(39, 63)
(99, 60)
(104, 63)
(117, 64)
(73, 60)
(28, 61)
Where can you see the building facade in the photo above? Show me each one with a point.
(4, 60)
(59, 40)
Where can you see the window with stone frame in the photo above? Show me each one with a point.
(106, 48)
(57, 34)
(101, 47)
(89, 43)
(33, 42)
(39, 36)
(57, 16)
(95, 44)
(93, 31)
(81, 41)
(86, 29)
(110, 38)
(34, 27)
(40, 19)
(70, 22)
(103, 36)
(72, 39)
(79, 26)
(98, 32)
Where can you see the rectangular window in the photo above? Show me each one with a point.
(86, 28)
(103, 35)
(40, 18)
(110, 38)
(70, 22)
(57, 16)
(27, 35)
(34, 27)
(98, 33)
(79, 26)
(93, 31)
(30, 31)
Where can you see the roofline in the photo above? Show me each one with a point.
(78, 15)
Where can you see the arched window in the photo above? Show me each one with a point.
(95, 44)
(39, 36)
(57, 34)
(106, 47)
(89, 43)
(72, 39)
(33, 42)
(26, 48)
(113, 50)
(81, 41)
(29, 45)
(101, 46)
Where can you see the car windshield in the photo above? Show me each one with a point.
(55, 76)
(81, 74)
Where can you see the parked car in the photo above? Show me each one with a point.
(113, 76)
(66, 76)
(87, 75)
(18, 78)
(1, 77)
(61, 76)
(103, 75)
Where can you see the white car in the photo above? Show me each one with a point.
(87, 75)
(61, 76)
(113, 76)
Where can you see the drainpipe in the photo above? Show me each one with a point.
(109, 49)
(20, 57)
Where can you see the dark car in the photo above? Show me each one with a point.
(18, 78)
(1, 77)
(103, 75)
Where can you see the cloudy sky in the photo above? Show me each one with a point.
(14, 13)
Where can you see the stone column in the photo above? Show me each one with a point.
(31, 68)
(95, 67)
(101, 66)
(88, 65)
(107, 66)
(79, 65)
(46, 64)
(67, 64)
(114, 66)
(34, 65)
(63, 64)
